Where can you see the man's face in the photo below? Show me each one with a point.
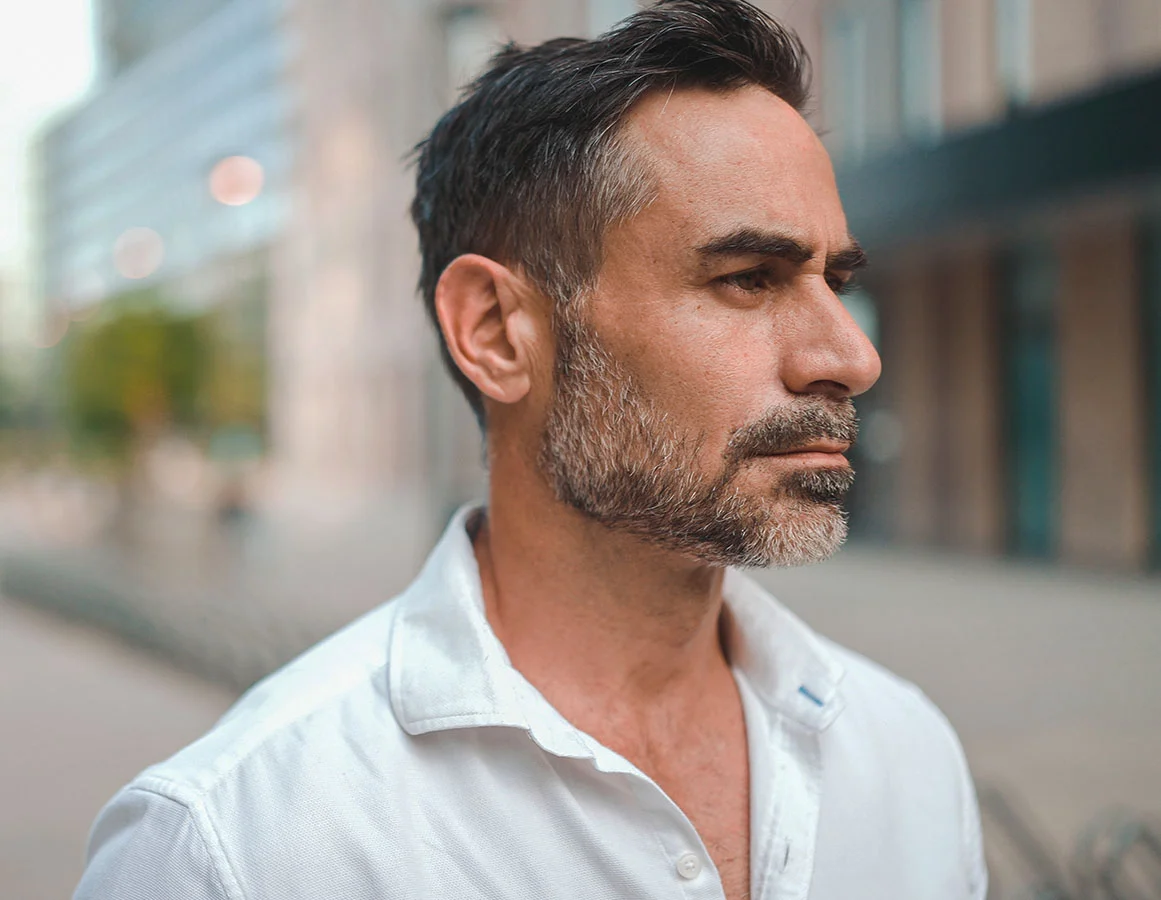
(702, 390)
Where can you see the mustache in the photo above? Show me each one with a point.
(788, 428)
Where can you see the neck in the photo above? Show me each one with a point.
(585, 611)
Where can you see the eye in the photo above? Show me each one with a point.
(840, 285)
(752, 281)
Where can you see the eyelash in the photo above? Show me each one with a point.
(767, 275)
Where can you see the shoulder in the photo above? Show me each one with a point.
(878, 702)
(276, 760)
(343, 676)
(892, 749)
(260, 784)
(890, 722)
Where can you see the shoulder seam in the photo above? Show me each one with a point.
(355, 680)
(219, 862)
(233, 757)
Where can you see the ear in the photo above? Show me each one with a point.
(483, 311)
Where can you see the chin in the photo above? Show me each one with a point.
(803, 534)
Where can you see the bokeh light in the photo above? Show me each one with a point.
(138, 252)
(236, 180)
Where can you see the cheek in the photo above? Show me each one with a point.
(714, 369)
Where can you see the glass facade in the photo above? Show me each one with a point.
(1151, 295)
(604, 14)
(845, 59)
(139, 153)
(920, 83)
(1013, 42)
(471, 37)
(1028, 281)
(133, 29)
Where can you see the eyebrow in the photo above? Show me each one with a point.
(756, 242)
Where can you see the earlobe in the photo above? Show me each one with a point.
(480, 313)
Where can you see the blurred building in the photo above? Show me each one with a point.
(997, 157)
(128, 198)
(130, 30)
(1002, 159)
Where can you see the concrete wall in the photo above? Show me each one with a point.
(973, 384)
(1104, 514)
(349, 342)
(1134, 35)
(1067, 47)
(911, 347)
(971, 91)
(942, 347)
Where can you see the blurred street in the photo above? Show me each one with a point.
(1052, 678)
(81, 715)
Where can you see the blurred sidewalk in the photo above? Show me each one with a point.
(81, 715)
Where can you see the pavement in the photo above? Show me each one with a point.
(80, 714)
(1051, 677)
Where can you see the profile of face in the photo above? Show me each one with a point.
(702, 389)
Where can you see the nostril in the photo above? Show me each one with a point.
(832, 390)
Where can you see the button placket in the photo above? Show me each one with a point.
(689, 864)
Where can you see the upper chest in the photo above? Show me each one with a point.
(704, 770)
(505, 813)
(714, 793)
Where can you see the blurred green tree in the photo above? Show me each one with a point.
(142, 367)
(136, 370)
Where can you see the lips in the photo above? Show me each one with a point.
(820, 447)
(831, 447)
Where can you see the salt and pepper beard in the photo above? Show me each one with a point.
(610, 452)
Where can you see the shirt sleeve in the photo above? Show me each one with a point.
(973, 839)
(148, 846)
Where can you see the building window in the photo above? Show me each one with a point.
(1028, 283)
(604, 14)
(1151, 307)
(920, 81)
(875, 454)
(1013, 21)
(471, 36)
(845, 53)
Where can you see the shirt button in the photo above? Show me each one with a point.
(688, 866)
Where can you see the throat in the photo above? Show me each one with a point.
(574, 627)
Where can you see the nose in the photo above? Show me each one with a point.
(829, 355)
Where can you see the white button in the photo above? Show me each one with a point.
(688, 866)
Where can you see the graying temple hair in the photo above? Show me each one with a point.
(528, 168)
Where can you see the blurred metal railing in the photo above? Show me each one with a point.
(1016, 848)
(1118, 856)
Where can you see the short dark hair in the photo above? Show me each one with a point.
(527, 168)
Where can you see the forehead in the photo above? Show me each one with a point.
(742, 158)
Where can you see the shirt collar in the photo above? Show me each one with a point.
(447, 669)
(783, 659)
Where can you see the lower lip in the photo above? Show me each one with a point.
(812, 457)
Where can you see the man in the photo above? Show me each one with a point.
(633, 248)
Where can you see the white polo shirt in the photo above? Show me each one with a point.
(404, 757)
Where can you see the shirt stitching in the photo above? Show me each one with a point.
(219, 862)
